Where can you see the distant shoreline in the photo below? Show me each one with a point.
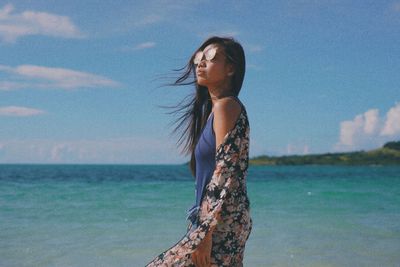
(389, 154)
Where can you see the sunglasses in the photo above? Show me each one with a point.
(209, 54)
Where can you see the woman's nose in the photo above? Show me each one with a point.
(202, 61)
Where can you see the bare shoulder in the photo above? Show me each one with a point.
(226, 112)
(227, 108)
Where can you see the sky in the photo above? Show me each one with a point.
(80, 81)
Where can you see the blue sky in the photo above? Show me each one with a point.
(79, 80)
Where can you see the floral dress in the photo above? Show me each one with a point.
(225, 198)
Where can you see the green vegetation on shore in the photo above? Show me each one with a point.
(389, 154)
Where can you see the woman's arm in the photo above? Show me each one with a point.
(226, 113)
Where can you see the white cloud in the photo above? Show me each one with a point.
(368, 130)
(6, 68)
(298, 149)
(31, 76)
(289, 149)
(16, 25)
(140, 46)
(10, 85)
(148, 20)
(371, 121)
(130, 150)
(19, 111)
(61, 151)
(306, 150)
(392, 123)
(145, 45)
(253, 48)
(142, 14)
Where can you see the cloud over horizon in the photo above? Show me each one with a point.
(129, 150)
(369, 130)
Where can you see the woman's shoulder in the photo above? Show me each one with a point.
(229, 102)
(227, 113)
(227, 108)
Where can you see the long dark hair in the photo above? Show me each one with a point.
(197, 109)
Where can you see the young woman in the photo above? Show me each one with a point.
(218, 140)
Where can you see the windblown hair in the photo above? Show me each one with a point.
(198, 108)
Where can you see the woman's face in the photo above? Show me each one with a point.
(214, 72)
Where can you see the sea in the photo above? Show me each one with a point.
(125, 215)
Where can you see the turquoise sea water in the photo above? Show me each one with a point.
(120, 215)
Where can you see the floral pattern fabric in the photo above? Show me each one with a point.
(225, 205)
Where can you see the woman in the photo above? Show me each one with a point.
(218, 141)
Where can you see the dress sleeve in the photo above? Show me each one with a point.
(223, 183)
(225, 180)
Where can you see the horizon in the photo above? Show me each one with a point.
(183, 163)
(79, 85)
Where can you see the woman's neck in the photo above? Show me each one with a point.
(218, 93)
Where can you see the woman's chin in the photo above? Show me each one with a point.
(201, 82)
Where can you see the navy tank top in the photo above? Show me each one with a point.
(205, 164)
(205, 158)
